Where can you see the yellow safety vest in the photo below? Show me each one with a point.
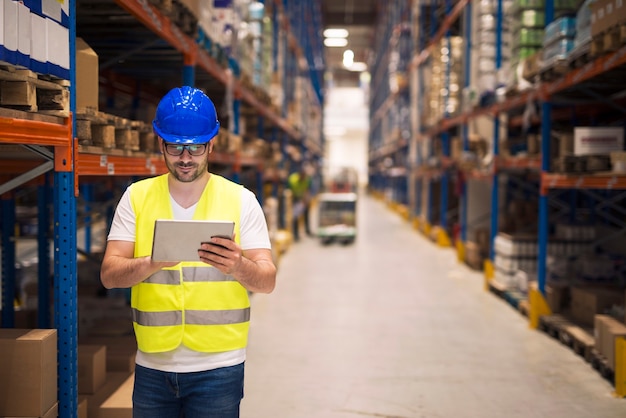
(192, 303)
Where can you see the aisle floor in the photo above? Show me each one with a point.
(394, 327)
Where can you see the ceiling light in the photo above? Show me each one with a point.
(336, 33)
(348, 58)
(335, 42)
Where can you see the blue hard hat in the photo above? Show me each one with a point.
(185, 115)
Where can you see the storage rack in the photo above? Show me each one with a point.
(550, 95)
(51, 148)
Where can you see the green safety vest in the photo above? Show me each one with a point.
(192, 303)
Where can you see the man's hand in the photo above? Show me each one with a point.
(222, 253)
(254, 270)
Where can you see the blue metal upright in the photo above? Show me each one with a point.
(430, 211)
(87, 192)
(65, 279)
(546, 127)
(464, 127)
(8, 260)
(445, 136)
(65, 292)
(495, 191)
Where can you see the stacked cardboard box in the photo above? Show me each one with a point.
(587, 302)
(91, 368)
(28, 372)
(606, 14)
(606, 329)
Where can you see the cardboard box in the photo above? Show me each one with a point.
(87, 73)
(120, 403)
(598, 140)
(91, 368)
(587, 302)
(606, 330)
(602, 12)
(613, 330)
(28, 371)
(606, 14)
(53, 412)
(82, 407)
(113, 382)
(121, 359)
(120, 353)
(557, 297)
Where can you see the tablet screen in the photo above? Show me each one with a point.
(176, 240)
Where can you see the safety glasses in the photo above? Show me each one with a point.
(176, 150)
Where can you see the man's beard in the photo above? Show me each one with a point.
(188, 177)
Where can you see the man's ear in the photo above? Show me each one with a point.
(210, 146)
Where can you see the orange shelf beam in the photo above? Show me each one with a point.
(159, 24)
(114, 165)
(532, 163)
(592, 69)
(564, 181)
(163, 27)
(28, 132)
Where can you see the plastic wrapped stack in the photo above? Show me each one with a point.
(528, 30)
(583, 25)
(256, 16)
(558, 40)
(35, 35)
(489, 74)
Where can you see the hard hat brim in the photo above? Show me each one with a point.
(182, 139)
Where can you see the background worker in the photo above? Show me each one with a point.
(300, 183)
(191, 319)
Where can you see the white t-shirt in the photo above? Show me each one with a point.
(253, 235)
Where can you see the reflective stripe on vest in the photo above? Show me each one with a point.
(151, 319)
(190, 274)
(192, 303)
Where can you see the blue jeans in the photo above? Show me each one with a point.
(210, 394)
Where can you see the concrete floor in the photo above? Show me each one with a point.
(393, 326)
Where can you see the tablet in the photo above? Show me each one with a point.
(176, 240)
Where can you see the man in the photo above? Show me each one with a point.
(190, 319)
(300, 183)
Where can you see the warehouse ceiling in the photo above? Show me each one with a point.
(359, 18)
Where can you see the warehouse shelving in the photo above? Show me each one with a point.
(551, 95)
(76, 167)
(390, 104)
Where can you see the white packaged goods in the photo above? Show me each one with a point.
(57, 38)
(38, 44)
(598, 140)
(511, 246)
(23, 32)
(10, 26)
